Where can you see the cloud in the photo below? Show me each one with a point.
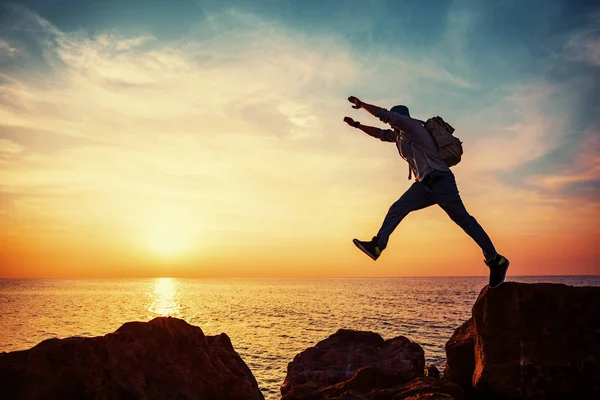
(516, 128)
(218, 122)
(585, 167)
(9, 150)
(7, 50)
(583, 44)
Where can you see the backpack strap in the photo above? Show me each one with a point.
(409, 141)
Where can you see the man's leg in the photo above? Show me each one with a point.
(445, 194)
(418, 196)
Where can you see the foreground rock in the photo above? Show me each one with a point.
(460, 355)
(361, 365)
(534, 341)
(165, 358)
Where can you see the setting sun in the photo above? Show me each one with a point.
(169, 232)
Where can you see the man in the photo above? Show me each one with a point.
(434, 184)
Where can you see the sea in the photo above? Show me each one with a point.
(269, 321)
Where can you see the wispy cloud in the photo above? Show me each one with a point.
(516, 128)
(583, 44)
(250, 113)
(9, 150)
(585, 167)
(7, 50)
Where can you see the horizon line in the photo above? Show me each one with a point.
(288, 278)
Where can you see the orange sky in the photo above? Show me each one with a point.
(128, 158)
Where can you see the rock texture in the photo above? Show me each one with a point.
(460, 355)
(165, 358)
(432, 371)
(536, 341)
(361, 365)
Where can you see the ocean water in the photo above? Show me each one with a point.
(269, 321)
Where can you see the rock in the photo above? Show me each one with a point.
(460, 355)
(338, 358)
(430, 396)
(432, 387)
(537, 341)
(418, 388)
(165, 358)
(353, 365)
(432, 371)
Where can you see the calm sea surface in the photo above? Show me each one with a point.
(269, 321)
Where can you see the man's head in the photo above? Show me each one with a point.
(401, 110)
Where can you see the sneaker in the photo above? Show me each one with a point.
(369, 248)
(498, 266)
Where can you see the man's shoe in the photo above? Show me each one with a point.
(369, 248)
(498, 266)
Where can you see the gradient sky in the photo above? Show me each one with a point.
(205, 138)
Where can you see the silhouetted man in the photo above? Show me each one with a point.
(434, 184)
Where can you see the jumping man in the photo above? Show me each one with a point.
(434, 184)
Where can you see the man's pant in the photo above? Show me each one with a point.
(438, 187)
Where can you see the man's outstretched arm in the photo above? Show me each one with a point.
(371, 108)
(386, 135)
(394, 119)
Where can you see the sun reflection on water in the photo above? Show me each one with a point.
(165, 298)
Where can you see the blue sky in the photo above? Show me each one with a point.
(490, 45)
(256, 91)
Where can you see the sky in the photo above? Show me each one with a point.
(205, 138)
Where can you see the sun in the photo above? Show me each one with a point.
(169, 232)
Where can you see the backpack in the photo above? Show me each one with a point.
(449, 147)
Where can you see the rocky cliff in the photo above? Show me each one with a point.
(361, 365)
(165, 358)
(529, 341)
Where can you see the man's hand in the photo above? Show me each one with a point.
(349, 121)
(354, 100)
